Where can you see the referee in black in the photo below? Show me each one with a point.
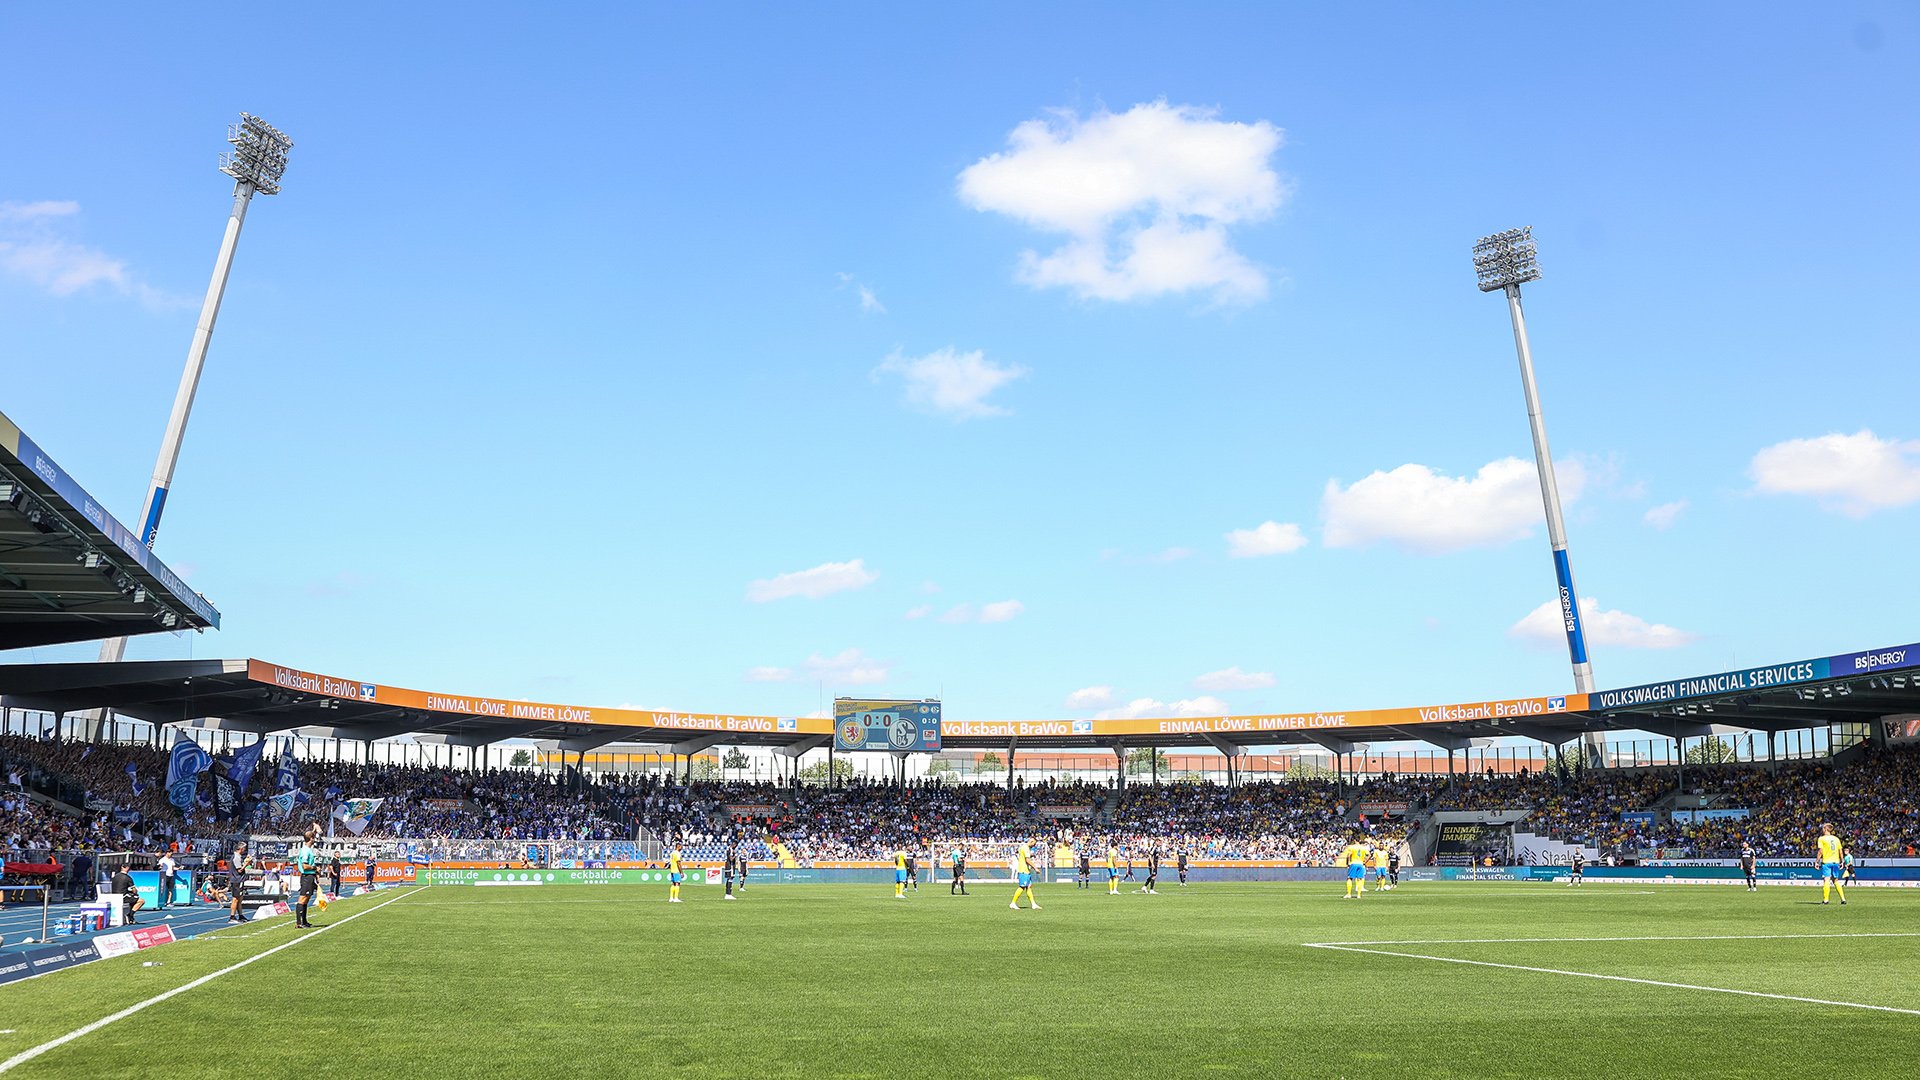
(959, 882)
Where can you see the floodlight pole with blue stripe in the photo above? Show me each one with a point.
(256, 163)
(1502, 262)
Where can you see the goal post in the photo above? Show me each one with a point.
(989, 862)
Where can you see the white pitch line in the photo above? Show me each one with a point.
(1557, 940)
(25, 1056)
(1617, 978)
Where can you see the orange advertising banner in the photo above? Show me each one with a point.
(308, 682)
(1502, 709)
(1092, 730)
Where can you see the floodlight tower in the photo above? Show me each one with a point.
(256, 163)
(1503, 261)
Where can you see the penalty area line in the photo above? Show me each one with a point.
(1616, 978)
(25, 1056)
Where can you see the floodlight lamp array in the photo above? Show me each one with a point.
(259, 154)
(1506, 258)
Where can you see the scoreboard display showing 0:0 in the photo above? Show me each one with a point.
(897, 726)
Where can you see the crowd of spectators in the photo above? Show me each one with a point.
(1875, 803)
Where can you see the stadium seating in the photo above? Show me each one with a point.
(1872, 800)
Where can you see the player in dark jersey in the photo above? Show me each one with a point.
(1577, 868)
(334, 869)
(1083, 876)
(1749, 867)
(913, 872)
(730, 862)
(371, 867)
(1393, 867)
(1129, 876)
(1180, 864)
(740, 871)
(1153, 871)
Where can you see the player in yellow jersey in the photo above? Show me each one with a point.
(674, 875)
(1023, 876)
(1830, 848)
(1354, 858)
(1380, 868)
(900, 875)
(1113, 869)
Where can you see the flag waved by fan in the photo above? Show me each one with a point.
(185, 763)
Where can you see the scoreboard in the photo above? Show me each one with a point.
(906, 727)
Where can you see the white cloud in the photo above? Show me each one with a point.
(952, 384)
(1229, 679)
(869, 301)
(1090, 697)
(44, 209)
(1143, 198)
(920, 612)
(1001, 610)
(997, 612)
(1204, 705)
(849, 667)
(1267, 538)
(32, 249)
(823, 580)
(1431, 513)
(1853, 474)
(1663, 516)
(1612, 629)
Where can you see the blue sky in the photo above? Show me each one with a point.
(568, 330)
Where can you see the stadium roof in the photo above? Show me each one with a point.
(261, 697)
(68, 570)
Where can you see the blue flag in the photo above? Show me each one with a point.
(133, 771)
(184, 765)
(287, 776)
(245, 760)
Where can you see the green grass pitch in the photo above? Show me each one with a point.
(824, 981)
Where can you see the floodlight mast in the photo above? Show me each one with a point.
(257, 162)
(1502, 262)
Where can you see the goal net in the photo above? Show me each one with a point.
(987, 862)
